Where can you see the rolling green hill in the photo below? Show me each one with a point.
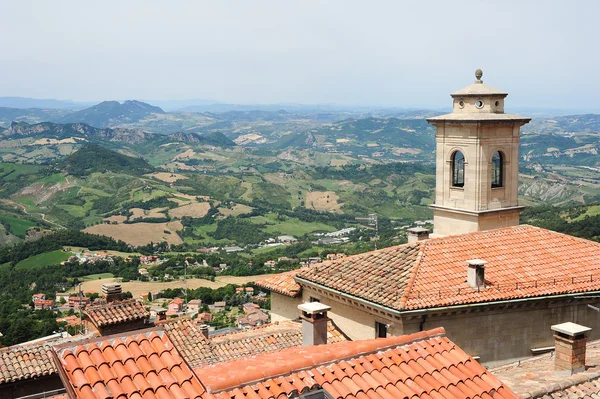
(95, 158)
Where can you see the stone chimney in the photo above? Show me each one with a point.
(314, 323)
(476, 273)
(415, 234)
(112, 292)
(569, 343)
(204, 330)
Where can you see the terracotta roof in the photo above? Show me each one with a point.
(197, 351)
(117, 312)
(421, 365)
(535, 377)
(282, 283)
(25, 362)
(523, 262)
(142, 366)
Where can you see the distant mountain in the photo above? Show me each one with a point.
(24, 102)
(31, 115)
(114, 135)
(110, 113)
(95, 158)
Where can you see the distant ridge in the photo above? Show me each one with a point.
(113, 112)
(26, 102)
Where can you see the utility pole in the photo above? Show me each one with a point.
(373, 222)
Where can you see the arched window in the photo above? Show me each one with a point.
(497, 166)
(458, 169)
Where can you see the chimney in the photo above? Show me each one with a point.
(476, 273)
(569, 343)
(415, 234)
(112, 292)
(314, 323)
(204, 330)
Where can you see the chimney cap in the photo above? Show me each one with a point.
(570, 329)
(418, 230)
(313, 307)
(477, 262)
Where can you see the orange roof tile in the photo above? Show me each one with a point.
(282, 283)
(24, 362)
(198, 351)
(523, 262)
(117, 312)
(137, 367)
(421, 365)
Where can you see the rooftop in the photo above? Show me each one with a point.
(117, 312)
(283, 283)
(24, 362)
(198, 351)
(136, 366)
(535, 377)
(523, 262)
(421, 365)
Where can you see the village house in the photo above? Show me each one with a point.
(75, 301)
(41, 304)
(270, 263)
(176, 305)
(62, 295)
(38, 297)
(204, 317)
(479, 272)
(219, 306)
(194, 305)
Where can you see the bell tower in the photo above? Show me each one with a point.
(477, 162)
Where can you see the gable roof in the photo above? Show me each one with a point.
(25, 362)
(198, 351)
(523, 262)
(421, 365)
(138, 366)
(117, 312)
(282, 283)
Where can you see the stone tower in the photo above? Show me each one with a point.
(477, 162)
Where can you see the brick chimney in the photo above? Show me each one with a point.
(204, 330)
(415, 234)
(476, 273)
(112, 292)
(314, 323)
(569, 343)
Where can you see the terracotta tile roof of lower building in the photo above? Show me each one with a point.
(421, 365)
(141, 366)
(117, 312)
(523, 262)
(25, 362)
(536, 377)
(282, 283)
(198, 351)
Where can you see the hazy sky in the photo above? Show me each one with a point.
(398, 53)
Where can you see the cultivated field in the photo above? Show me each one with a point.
(137, 287)
(139, 233)
(167, 177)
(116, 218)
(195, 210)
(237, 209)
(323, 201)
(139, 213)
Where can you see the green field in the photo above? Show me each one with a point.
(18, 227)
(97, 276)
(45, 259)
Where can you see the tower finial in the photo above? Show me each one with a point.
(478, 75)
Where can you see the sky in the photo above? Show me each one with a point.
(382, 53)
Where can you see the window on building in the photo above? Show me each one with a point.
(458, 169)
(380, 330)
(497, 166)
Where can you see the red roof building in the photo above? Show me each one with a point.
(117, 317)
(531, 277)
